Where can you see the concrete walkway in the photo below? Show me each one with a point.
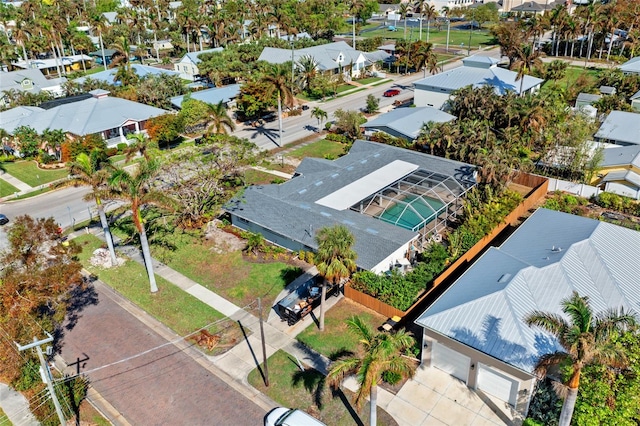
(15, 407)
(20, 185)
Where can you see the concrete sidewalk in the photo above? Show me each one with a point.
(15, 182)
(15, 407)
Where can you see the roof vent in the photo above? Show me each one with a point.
(325, 214)
(318, 183)
(556, 249)
(504, 278)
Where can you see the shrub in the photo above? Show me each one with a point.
(391, 377)
(122, 146)
(295, 112)
(334, 137)
(111, 152)
(617, 202)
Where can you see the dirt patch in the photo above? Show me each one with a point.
(221, 241)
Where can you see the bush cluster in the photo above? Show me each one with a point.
(401, 291)
(617, 202)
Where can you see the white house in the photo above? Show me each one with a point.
(188, 65)
(475, 71)
(476, 331)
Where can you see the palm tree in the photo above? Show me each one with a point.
(139, 143)
(585, 339)
(430, 12)
(527, 59)
(277, 79)
(423, 57)
(404, 10)
(135, 189)
(307, 68)
(218, 120)
(319, 114)
(125, 74)
(354, 8)
(379, 352)
(88, 170)
(419, 7)
(335, 259)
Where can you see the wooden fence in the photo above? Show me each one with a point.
(539, 185)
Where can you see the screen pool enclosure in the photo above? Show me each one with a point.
(421, 201)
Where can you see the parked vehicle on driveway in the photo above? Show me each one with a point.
(282, 416)
(391, 92)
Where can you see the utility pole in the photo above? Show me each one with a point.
(45, 372)
(264, 346)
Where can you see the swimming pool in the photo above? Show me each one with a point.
(401, 215)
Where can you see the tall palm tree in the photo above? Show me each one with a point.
(277, 79)
(335, 259)
(125, 74)
(218, 121)
(527, 59)
(307, 68)
(379, 352)
(88, 170)
(419, 7)
(585, 339)
(403, 10)
(139, 143)
(430, 12)
(355, 6)
(135, 188)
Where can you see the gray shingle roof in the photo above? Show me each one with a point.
(632, 178)
(12, 80)
(621, 127)
(407, 122)
(551, 255)
(80, 118)
(194, 57)
(621, 156)
(478, 72)
(588, 97)
(211, 96)
(290, 209)
(631, 66)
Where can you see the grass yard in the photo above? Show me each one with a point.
(336, 337)
(7, 189)
(4, 420)
(437, 38)
(170, 305)
(369, 80)
(258, 177)
(307, 391)
(319, 149)
(116, 158)
(228, 273)
(573, 74)
(29, 173)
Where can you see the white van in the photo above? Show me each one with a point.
(282, 416)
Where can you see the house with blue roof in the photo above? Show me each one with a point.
(475, 330)
(476, 71)
(394, 202)
(188, 65)
(406, 123)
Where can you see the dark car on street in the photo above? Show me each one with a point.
(391, 92)
(3, 219)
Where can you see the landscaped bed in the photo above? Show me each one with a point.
(307, 391)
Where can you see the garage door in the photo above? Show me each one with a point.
(450, 361)
(497, 384)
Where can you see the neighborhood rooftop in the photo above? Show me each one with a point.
(620, 127)
(407, 122)
(550, 256)
(211, 96)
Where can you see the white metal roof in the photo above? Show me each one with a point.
(358, 190)
(550, 256)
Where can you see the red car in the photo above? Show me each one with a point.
(391, 92)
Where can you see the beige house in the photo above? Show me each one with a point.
(188, 65)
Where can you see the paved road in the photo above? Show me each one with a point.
(163, 387)
(295, 128)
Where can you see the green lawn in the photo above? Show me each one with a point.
(336, 337)
(170, 305)
(258, 177)
(572, 74)
(34, 193)
(319, 149)
(344, 88)
(369, 80)
(307, 391)
(29, 173)
(228, 274)
(438, 38)
(114, 159)
(7, 189)
(4, 420)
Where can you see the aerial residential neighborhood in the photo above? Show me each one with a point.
(312, 212)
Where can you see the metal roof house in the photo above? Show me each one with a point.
(475, 71)
(392, 200)
(619, 171)
(29, 80)
(53, 66)
(331, 58)
(475, 330)
(110, 117)
(632, 66)
(620, 128)
(188, 65)
(141, 71)
(211, 96)
(405, 123)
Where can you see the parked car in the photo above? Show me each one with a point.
(282, 416)
(3, 219)
(391, 92)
